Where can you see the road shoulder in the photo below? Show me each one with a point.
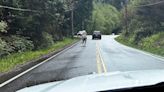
(21, 68)
(142, 51)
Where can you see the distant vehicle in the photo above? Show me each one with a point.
(80, 32)
(96, 34)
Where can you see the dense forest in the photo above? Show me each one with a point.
(140, 22)
(143, 25)
(105, 18)
(33, 28)
(36, 24)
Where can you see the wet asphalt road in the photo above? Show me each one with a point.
(81, 60)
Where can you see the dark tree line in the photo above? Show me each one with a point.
(40, 24)
(144, 25)
(145, 18)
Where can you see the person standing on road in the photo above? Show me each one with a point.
(84, 38)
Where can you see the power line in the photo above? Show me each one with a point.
(18, 9)
(152, 4)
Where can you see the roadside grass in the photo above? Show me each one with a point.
(153, 44)
(11, 61)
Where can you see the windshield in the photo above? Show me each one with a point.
(45, 41)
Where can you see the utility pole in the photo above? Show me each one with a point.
(125, 14)
(126, 17)
(72, 18)
(82, 25)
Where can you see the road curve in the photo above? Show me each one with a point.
(98, 56)
(118, 57)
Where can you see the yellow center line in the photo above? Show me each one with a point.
(100, 62)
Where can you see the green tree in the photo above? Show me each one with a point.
(40, 22)
(105, 18)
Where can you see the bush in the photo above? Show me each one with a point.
(47, 40)
(3, 49)
(154, 41)
(3, 26)
(20, 44)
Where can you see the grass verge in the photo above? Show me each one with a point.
(147, 44)
(11, 61)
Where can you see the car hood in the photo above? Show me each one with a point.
(101, 82)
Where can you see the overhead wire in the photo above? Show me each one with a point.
(18, 9)
(152, 4)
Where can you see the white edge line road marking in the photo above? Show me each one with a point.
(146, 53)
(143, 52)
(149, 54)
(28, 70)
